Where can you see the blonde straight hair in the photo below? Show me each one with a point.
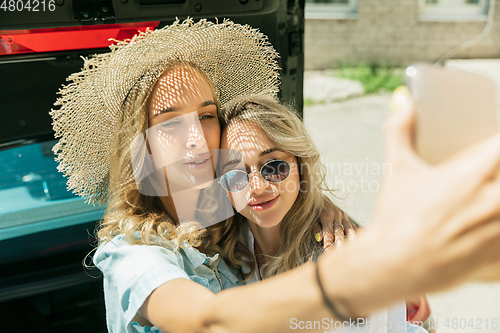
(285, 129)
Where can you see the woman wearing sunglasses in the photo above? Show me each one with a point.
(273, 175)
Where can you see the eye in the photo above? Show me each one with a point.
(170, 124)
(269, 161)
(206, 116)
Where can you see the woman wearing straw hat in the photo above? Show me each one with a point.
(156, 273)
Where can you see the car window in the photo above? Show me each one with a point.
(34, 195)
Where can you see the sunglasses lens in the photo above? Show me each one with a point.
(234, 181)
(276, 171)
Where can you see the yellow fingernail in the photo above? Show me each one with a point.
(318, 237)
(399, 97)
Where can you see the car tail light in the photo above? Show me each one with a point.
(68, 38)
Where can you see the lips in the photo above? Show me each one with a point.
(197, 159)
(263, 203)
(259, 201)
(198, 162)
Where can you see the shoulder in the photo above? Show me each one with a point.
(131, 273)
(120, 253)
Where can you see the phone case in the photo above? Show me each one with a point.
(454, 110)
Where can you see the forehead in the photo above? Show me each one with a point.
(178, 87)
(245, 137)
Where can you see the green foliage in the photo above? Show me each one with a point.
(373, 78)
(308, 102)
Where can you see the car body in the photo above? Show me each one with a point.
(47, 282)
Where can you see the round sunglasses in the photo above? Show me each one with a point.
(274, 171)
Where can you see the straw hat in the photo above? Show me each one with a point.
(237, 59)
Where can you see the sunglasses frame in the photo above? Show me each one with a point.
(249, 174)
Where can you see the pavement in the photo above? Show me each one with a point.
(322, 87)
(348, 133)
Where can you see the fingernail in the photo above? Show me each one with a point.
(399, 98)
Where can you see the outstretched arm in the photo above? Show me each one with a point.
(434, 228)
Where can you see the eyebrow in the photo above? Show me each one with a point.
(229, 163)
(173, 109)
(265, 152)
(270, 150)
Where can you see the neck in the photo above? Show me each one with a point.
(182, 205)
(267, 240)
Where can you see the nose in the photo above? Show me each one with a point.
(257, 184)
(196, 139)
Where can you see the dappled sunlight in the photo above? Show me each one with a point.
(264, 182)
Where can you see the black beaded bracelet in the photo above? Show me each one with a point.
(327, 301)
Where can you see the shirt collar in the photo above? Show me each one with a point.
(196, 258)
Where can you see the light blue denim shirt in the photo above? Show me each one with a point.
(132, 272)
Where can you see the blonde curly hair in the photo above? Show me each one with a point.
(131, 213)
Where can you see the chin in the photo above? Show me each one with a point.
(198, 185)
(181, 179)
(264, 220)
(204, 185)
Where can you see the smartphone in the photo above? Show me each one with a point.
(454, 109)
